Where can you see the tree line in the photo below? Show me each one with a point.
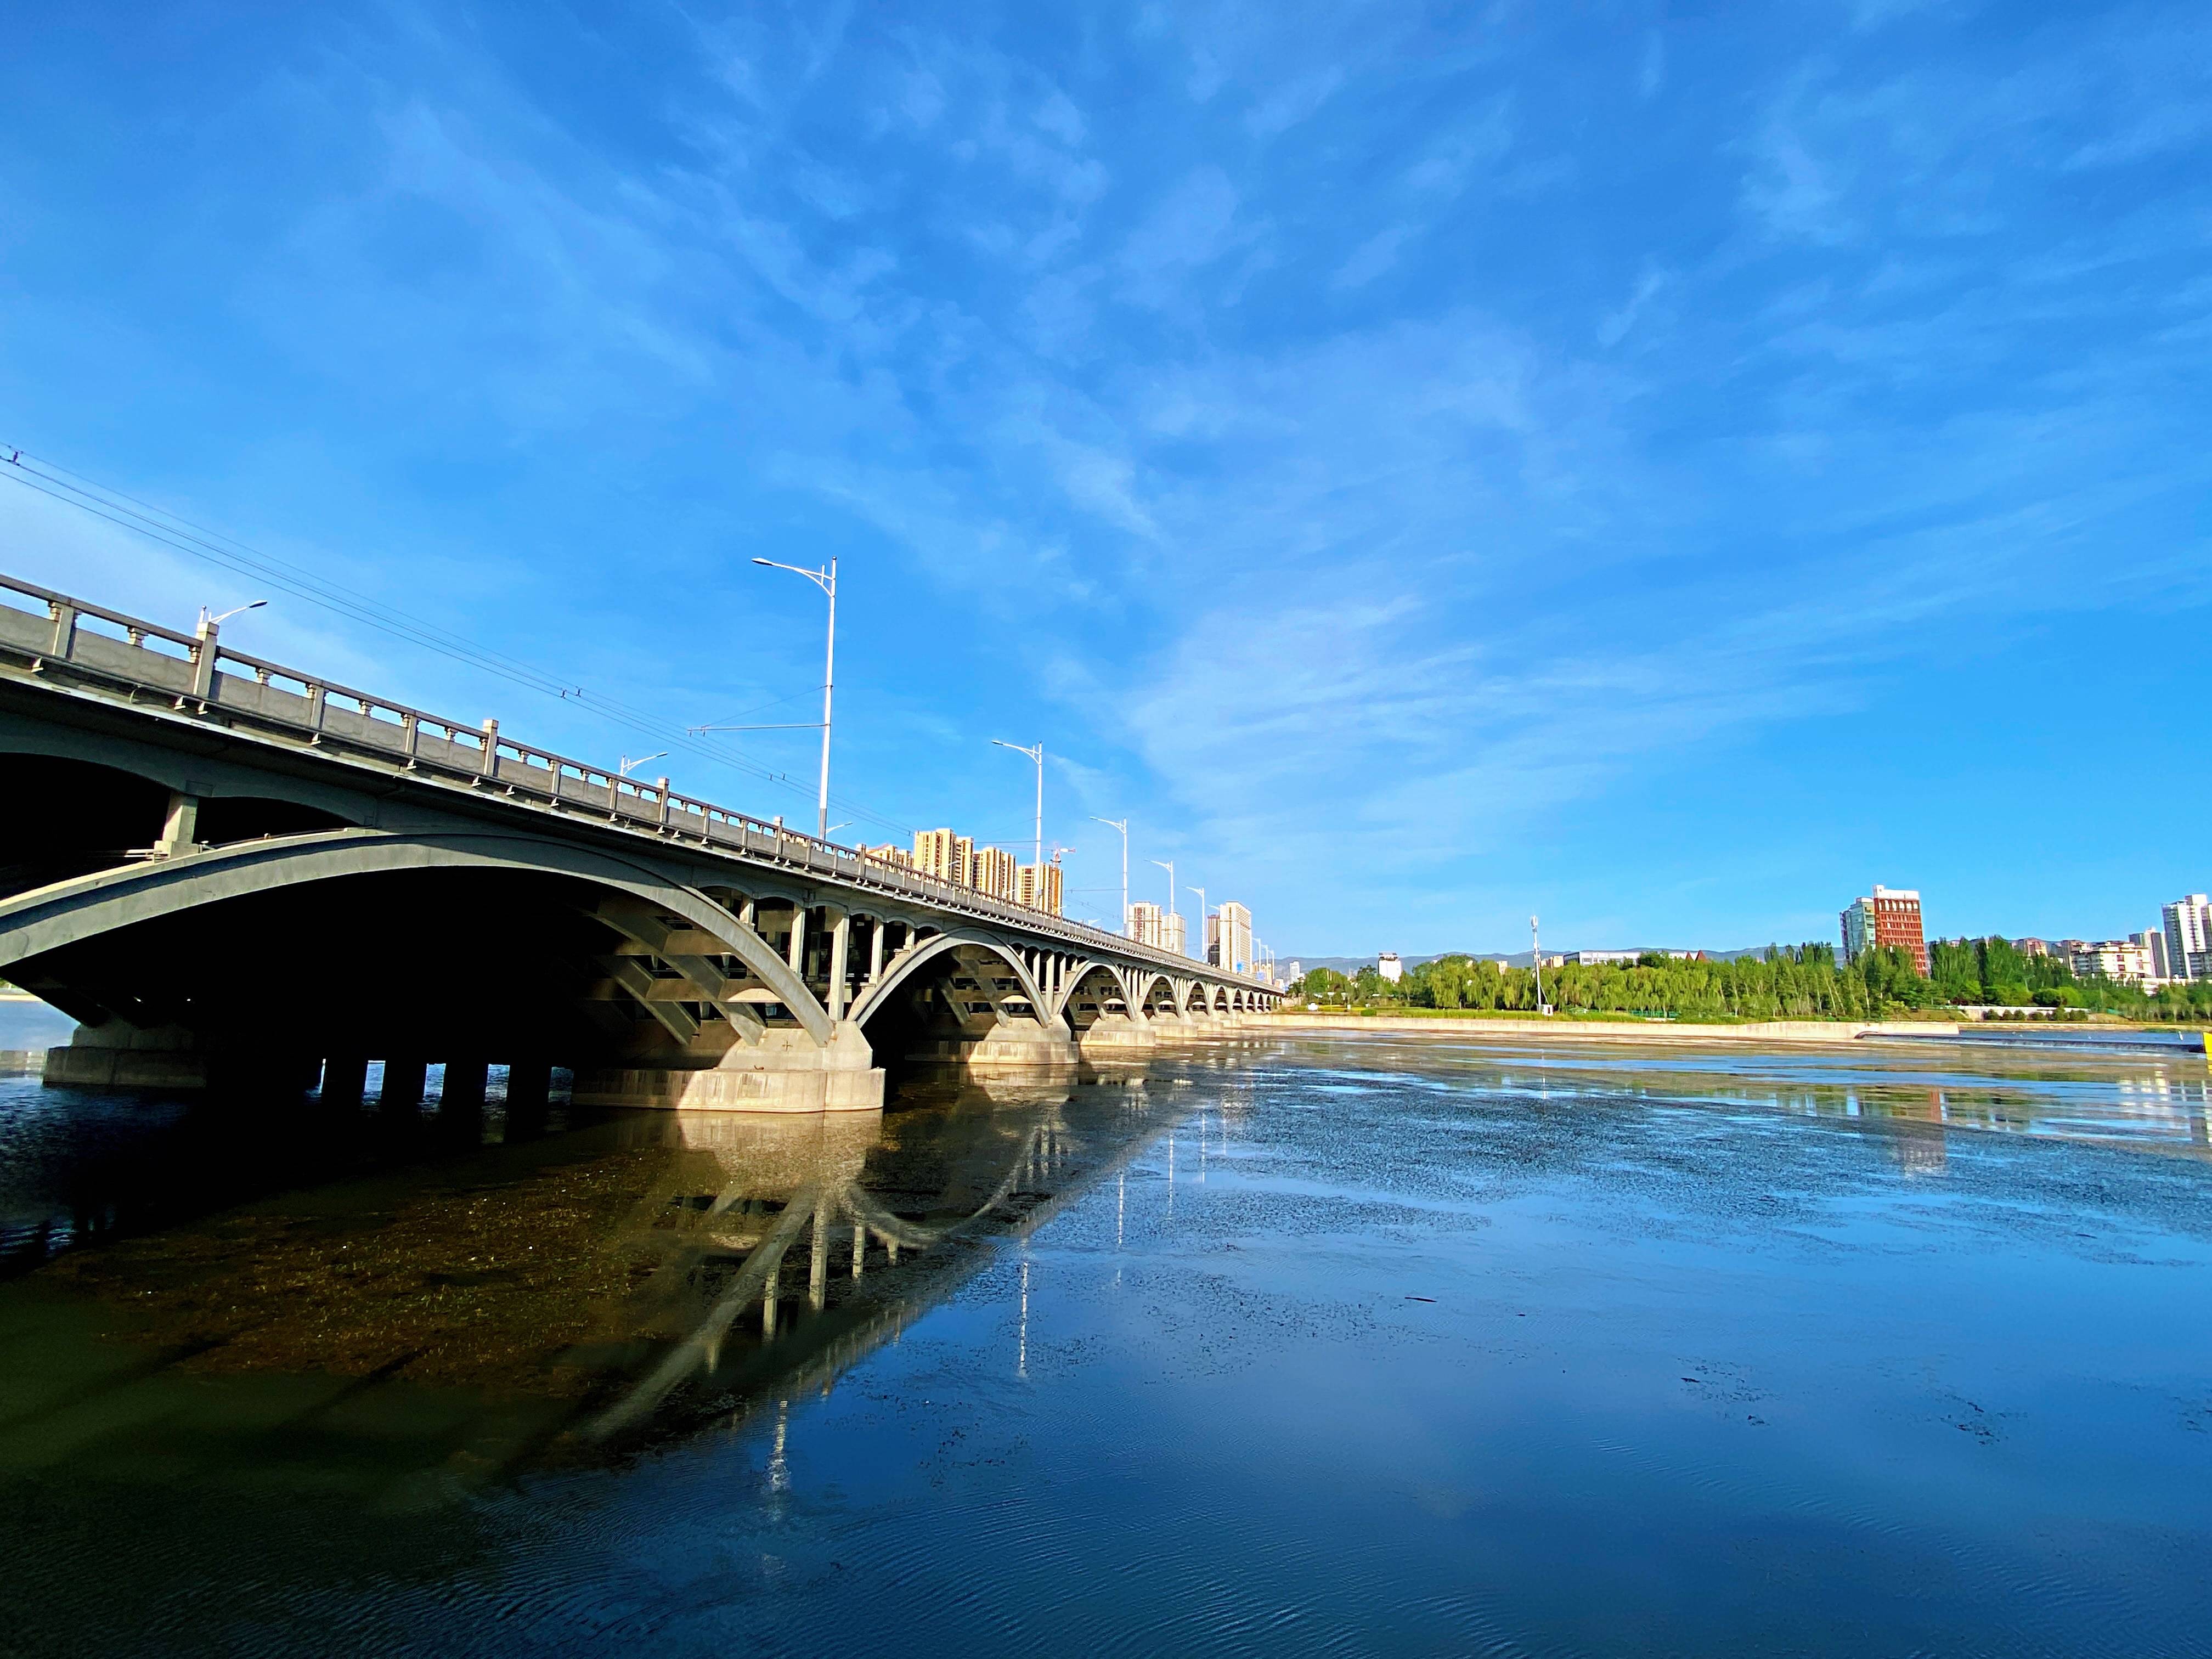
(1786, 982)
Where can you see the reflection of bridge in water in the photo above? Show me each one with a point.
(216, 861)
(627, 1280)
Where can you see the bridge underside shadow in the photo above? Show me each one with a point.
(429, 966)
(273, 942)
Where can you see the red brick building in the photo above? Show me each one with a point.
(1889, 916)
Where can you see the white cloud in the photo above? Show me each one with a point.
(1373, 257)
(1294, 101)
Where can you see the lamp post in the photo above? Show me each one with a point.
(1168, 865)
(1200, 891)
(1122, 825)
(1536, 956)
(826, 580)
(1036, 752)
(628, 762)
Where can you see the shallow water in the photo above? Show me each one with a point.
(1357, 1345)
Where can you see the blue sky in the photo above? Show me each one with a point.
(1663, 468)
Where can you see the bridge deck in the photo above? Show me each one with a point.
(73, 647)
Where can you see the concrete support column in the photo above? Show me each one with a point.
(179, 827)
(876, 949)
(528, 1083)
(841, 938)
(771, 1293)
(748, 915)
(796, 952)
(464, 1084)
(402, 1085)
(461, 1102)
(345, 1080)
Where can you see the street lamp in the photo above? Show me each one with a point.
(209, 624)
(1536, 955)
(1200, 891)
(1122, 825)
(1168, 865)
(627, 762)
(827, 581)
(1036, 752)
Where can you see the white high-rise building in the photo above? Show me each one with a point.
(1150, 925)
(2152, 942)
(1389, 967)
(2189, 937)
(1228, 939)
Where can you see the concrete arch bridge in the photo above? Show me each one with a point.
(216, 863)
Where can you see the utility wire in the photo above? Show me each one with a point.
(173, 530)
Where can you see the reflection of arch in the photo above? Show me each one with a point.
(71, 912)
(877, 996)
(821, 1203)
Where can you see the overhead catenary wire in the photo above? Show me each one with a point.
(173, 530)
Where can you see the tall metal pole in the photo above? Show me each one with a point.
(1168, 865)
(828, 680)
(1200, 891)
(826, 579)
(1036, 752)
(1536, 955)
(1122, 825)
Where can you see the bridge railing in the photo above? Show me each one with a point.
(197, 671)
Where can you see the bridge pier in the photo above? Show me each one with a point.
(1015, 1046)
(404, 1082)
(1117, 1036)
(784, 1072)
(118, 1056)
(345, 1081)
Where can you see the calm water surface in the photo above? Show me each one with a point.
(1349, 1346)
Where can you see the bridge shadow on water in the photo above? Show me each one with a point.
(405, 1310)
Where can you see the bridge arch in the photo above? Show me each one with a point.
(1154, 989)
(1106, 981)
(904, 967)
(76, 911)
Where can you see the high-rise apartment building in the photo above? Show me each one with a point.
(1151, 925)
(2188, 928)
(941, 854)
(1039, 887)
(890, 852)
(992, 872)
(2152, 942)
(1887, 916)
(1228, 939)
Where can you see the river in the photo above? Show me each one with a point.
(1355, 1345)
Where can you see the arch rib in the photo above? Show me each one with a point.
(904, 966)
(70, 912)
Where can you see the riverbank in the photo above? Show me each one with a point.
(1794, 1032)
